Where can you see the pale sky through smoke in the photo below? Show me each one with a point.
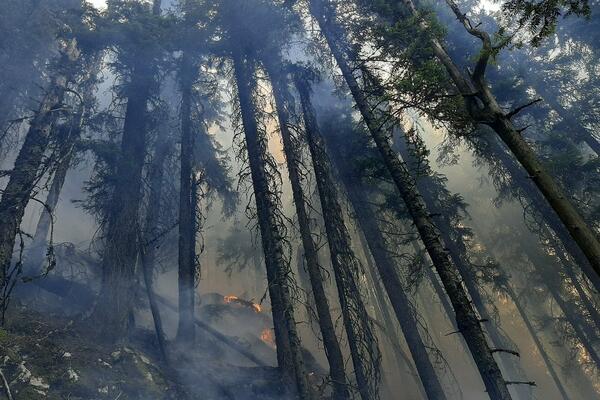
(98, 3)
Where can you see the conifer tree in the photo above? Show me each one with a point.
(466, 317)
(121, 233)
(27, 171)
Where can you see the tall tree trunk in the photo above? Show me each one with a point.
(26, 172)
(121, 240)
(388, 273)
(385, 317)
(538, 343)
(521, 182)
(187, 208)
(487, 111)
(289, 353)
(346, 266)
(35, 256)
(466, 317)
(150, 236)
(432, 192)
(292, 153)
(122, 229)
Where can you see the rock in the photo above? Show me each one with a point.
(115, 355)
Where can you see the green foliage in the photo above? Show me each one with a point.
(540, 17)
(578, 172)
(414, 78)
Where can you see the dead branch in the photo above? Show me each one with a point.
(522, 107)
(6, 387)
(530, 383)
(514, 353)
(487, 48)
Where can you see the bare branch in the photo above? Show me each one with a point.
(522, 107)
(6, 387)
(487, 49)
(530, 383)
(514, 353)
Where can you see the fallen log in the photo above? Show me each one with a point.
(63, 287)
(217, 335)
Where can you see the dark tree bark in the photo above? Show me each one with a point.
(26, 172)
(121, 239)
(293, 159)
(289, 354)
(388, 274)
(536, 203)
(388, 271)
(346, 266)
(484, 109)
(432, 193)
(122, 229)
(187, 208)
(35, 256)
(150, 237)
(466, 317)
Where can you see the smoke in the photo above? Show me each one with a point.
(232, 285)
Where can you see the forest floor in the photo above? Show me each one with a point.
(45, 355)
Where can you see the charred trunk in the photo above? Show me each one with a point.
(122, 226)
(292, 152)
(432, 193)
(466, 317)
(488, 112)
(289, 355)
(346, 266)
(151, 236)
(26, 172)
(187, 209)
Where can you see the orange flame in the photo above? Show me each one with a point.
(234, 299)
(268, 337)
(230, 299)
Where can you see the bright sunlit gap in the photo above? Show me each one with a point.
(98, 3)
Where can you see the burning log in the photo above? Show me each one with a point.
(218, 335)
(246, 303)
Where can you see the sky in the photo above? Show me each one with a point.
(98, 3)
